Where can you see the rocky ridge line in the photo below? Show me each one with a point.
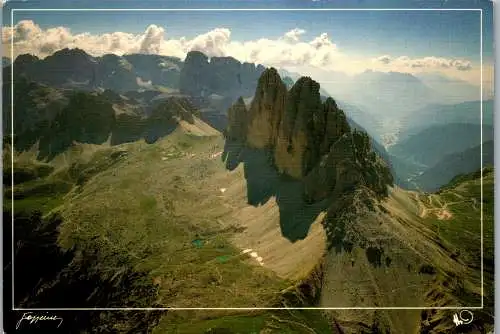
(310, 140)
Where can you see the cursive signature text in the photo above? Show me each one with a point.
(33, 319)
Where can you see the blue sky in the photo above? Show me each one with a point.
(438, 33)
(359, 35)
(399, 33)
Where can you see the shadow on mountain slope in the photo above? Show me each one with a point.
(92, 120)
(48, 276)
(264, 182)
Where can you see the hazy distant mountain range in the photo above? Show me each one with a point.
(439, 114)
(451, 165)
(376, 91)
(431, 156)
(450, 90)
(431, 144)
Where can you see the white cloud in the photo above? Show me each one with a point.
(285, 51)
(385, 59)
(322, 41)
(152, 40)
(29, 38)
(291, 50)
(294, 35)
(213, 43)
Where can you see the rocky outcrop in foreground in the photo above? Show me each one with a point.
(310, 140)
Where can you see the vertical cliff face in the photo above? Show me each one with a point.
(310, 140)
(192, 80)
(301, 130)
(220, 75)
(266, 110)
(336, 125)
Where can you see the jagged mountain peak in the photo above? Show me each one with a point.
(25, 59)
(310, 140)
(71, 52)
(307, 82)
(269, 73)
(269, 83)
(331, 103)
(196, 55)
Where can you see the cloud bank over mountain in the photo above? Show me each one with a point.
(426, 62)
(288, 51)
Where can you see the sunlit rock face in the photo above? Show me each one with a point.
(310, 140)
(266, 110)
